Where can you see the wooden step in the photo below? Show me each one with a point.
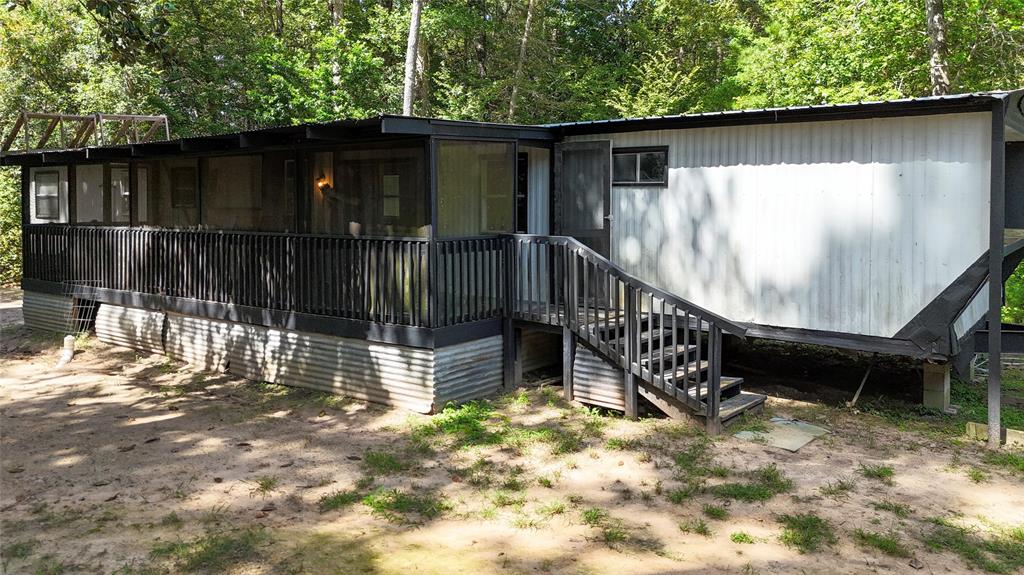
(678, 350)
(735, 406)
(727, 385)
(647, 336)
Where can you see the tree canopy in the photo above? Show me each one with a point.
(223, 65)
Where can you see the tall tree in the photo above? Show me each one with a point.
(936, 15)
(521, 61)
(410, 57)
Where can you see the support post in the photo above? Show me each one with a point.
(568, 359)
(629, 383)
(713, 420)
(936, 386)
(995, 272)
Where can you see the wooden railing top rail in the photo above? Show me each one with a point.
(615, 270)
(209, 231)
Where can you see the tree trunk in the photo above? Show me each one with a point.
(518, 77)
(336, 10)
(410, 57)
(935, 13)
(279, 18)
(422, 86)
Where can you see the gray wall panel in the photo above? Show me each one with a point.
(130, 327)
(596, 382)
(468, 370)
(47, 312)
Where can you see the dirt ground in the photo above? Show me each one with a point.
(121, 463)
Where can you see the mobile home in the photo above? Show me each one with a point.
(416, 261)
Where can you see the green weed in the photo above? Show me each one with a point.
(716, 512)
(999, 553)
(838, 488)
(883, 473)
(383, 463)
(888, 543)
(214, 552)
(898, 509)
(806, 532)
(741, 537)
(695, 526)
(396, 505)
(337, 500)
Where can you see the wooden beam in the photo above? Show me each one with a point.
(13, 135)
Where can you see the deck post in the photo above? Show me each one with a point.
(936, 386)
(713, 419)
(629, 384)
(997, 207)
(568, 359)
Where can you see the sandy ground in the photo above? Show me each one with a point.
(115, 454)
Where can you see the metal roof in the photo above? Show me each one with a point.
(880, 108)
(393, 125)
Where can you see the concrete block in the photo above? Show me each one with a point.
(936, 386)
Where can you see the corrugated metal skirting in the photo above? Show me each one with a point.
(468, 370)
(47, 312)
(131, 327)
(596, 382)
(199, 341)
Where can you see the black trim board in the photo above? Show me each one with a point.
(851, 341)
(421, 337)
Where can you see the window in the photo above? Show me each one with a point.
(120, 201)
(233, 192)
(640, 166)
(167, 193)
(47, 192)
(475, 187)
(89, 193)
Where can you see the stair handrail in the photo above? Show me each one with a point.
(614, 269)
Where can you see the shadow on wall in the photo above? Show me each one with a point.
(854, 230)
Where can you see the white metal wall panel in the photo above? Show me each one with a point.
(47, 312)
(130, 327)
(596, 382)
(467, 370)
(538, 201)
(847, 226)
(199, 341)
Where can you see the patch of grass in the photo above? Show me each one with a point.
(264, 485)
(614, 534)
(683, 494)
(1013, 461)
(765, 482)
(883, 473)
(977, 474)
(20, 549)
(898, 509)
(383, 463)
(999, 553)
(741, 537)
(549, 481)
(171, 520)
(553, 508)
(838, 488)
(395, 505)
(48, 565)
(888, 543)
(619, 444)
(695, 526)
(465, 425)
(594, 516)
(214, 552)
(337, 500)
(716, 512)
(504, 498)
(806, 532)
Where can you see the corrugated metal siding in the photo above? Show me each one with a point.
(538, 201)
(47, 312)
(539, 349)
(467, 370)
(130, 327)
(388, 374)
(839, 226)
(199, 341)
(973, 313)
(596, 382)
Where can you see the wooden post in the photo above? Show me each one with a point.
(713, 421)
(631, 329)
(568, 359)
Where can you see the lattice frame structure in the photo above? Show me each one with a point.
(44, 131)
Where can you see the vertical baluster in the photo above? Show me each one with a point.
(663, 345)
(675, 351)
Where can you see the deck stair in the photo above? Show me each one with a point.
(655, 345)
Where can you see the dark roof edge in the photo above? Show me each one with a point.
(957, 103)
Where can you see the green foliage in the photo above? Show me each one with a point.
(883, 473)
(888, 543)
(1001, 552)
(741, 537)
(716, 512)
(337, 500)
(214, 552)
(695, 526)
(806, 532)
(1012, 460)
(900, 510)
(396, 505)
(10, 227)
(765, 482)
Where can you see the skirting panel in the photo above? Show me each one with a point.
(199, 341)
(467, 370)
(596, 382)
(131, 327)
(47, 312)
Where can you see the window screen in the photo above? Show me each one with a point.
(120, 201)
(475, 187)
(89, 193)
(233, 192)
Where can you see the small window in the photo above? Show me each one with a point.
(640, 166)
(47, 195)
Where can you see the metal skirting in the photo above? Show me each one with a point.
(131, 327)
(468, 370)
(47, 312)
(596, 382)
(382, 373)
(198, 341)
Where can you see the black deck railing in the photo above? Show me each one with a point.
(559, 281)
